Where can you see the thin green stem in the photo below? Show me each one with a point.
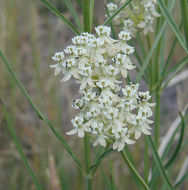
(133, 169)
(146, 161)
(86, 15)
(19, 148)
(157, 119)
(150, 63)
(87, 154)
(184, 12)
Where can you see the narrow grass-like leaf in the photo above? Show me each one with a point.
(61, 16)
(128, 153)
(159, 164)
(170, 53)
(173, 25)
(106, 180)
(177, 149)
(174, 155)
(116, 12)
(174, 70)
(184, 12)
(19, 148)
(181, 180)
(111, 24)
(134, 171)
(73, 13)
(177, 67)
(154, 45)
(39, 114)
(95, 165)
(141, 44)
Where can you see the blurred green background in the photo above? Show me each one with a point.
(29, 36)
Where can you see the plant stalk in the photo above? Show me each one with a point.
(86, 9)
(157, 118)
(87, 154)
(133, 169)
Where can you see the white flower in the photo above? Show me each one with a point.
(130, 90)
(146, 25)
(58, 56)
(77, 123)
(100, 140)
(103, 83)
(150, 7)
(100, 61)
(86, 71)
(90, 95)
(94, 112)
(103, 30)
(111, 70)
(124, 36)
(58, 68)
(111, 7)
(129, 26)
(70, 50)
(111, 113)
(78, 103)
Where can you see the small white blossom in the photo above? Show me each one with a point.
(58, 56)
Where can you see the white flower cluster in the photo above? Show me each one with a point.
(137, 16)
(108, 112)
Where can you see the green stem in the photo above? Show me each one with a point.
(87, 154)
(157, 118)
(19, 147)
(184, 12)
(150, 64)
(146, 161)
(133, 169)
(86, 15)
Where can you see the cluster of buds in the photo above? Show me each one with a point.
(110, 110)
(138, 15)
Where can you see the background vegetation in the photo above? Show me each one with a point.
(29, 36)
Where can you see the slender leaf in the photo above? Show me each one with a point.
(170, 53)
(118, 11)
(173, 25)
(60, 15)
(159, 164)
(19, 148)
(177, 149)
(174, 155)
(95, 165)
(74, 14)
(39, 114)
(181, 180)
(184, 12)
(134, 171)
(175, 69)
